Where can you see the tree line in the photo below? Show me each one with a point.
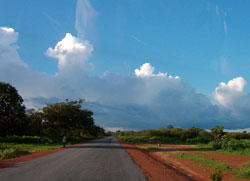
(66, 117)
(171, 135)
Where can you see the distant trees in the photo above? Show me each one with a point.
(12, 111)
(53, 119)
(35, 122)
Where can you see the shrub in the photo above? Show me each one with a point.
(244, 171)
(232, 145)
(216, 174)
(12, 152)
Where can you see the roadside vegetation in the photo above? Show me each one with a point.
(215, 141)
(244, 171)
(24, 131)
(208, 162)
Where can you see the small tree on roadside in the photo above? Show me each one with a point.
(217, 132)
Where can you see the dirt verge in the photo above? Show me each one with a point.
(165, 156)
(156, 169)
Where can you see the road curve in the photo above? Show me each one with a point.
(103, 159)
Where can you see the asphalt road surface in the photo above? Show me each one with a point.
(100, 160)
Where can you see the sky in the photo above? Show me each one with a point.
(138, 64)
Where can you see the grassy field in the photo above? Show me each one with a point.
(203, 161)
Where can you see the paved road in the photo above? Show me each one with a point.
(100, 160)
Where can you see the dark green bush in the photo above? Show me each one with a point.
(231, 144)
(238, 136)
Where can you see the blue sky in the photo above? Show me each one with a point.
(203, 42)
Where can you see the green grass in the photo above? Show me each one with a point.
(209, 149)
(12, 150)
(203, 161)
(152, 149)
(244, 171)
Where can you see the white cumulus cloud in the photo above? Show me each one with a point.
(7, 36)
(146, 70)
(71, 53)
(226, 93)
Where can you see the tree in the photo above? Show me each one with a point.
(217, 132)
(35, 122)
(68, 118)
(12, 112)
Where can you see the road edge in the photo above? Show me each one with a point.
(25, 158)
(157, 160)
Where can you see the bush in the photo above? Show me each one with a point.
(12, 153)
(217, 174)
(232, 145)
(244, 171)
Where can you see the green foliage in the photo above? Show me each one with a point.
(239, 151)
(28, 139)
(66, 118)
(12, 153)
(54, 119)
(244, 171)
(238, 136)
(218, 133)
(12, 112)
(14, 146)
(231, 144)
(35, 122)
(168, 136)
(217, 174)
(234, 144)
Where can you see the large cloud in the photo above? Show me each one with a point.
(231, 95)
(72, 53)
(227, 93)
(7, 36)
(142, 100)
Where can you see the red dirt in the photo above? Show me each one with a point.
(154, 168)
(13, 161)
(201, 172)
